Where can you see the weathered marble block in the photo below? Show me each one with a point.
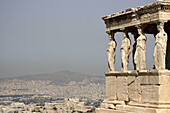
(111, 89)
(122, 88)
(134, 89)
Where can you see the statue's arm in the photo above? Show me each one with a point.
(143, 48)
(135, 56)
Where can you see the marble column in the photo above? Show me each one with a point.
(111, 52)
(140, 53)
(160, 47)
(135, 35)
(125, 51)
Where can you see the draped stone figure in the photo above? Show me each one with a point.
(160, 47)
(125, 51)
(111, 52)
(140, 53)
(136, 35)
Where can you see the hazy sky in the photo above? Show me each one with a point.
(42, 36)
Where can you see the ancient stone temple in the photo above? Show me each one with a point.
(139, 90)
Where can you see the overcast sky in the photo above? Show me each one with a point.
(43, 36)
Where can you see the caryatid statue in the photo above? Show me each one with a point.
(140, 53)
(160, 47)
(111, 52)
(125, 51)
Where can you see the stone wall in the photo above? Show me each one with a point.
(137, 91)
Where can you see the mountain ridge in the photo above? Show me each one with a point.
(60, 78)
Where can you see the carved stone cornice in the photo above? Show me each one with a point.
(148, 14)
